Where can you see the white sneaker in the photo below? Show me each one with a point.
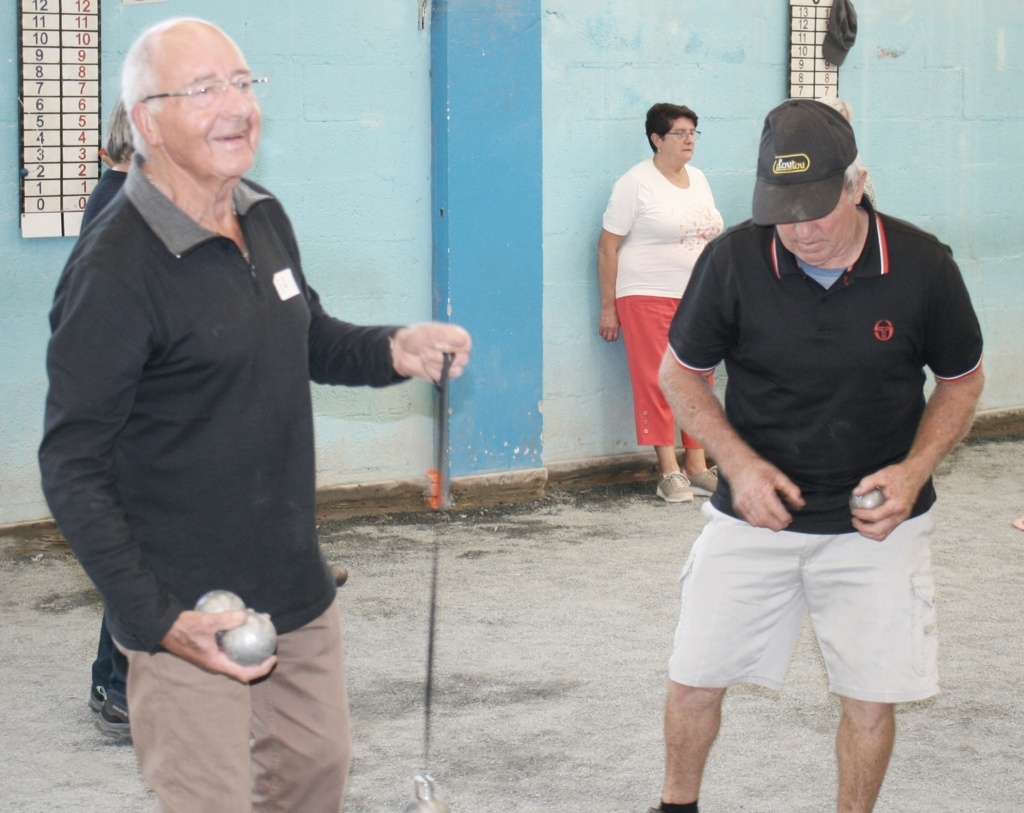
(675, 488)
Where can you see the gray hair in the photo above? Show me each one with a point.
(853, 175)
(855, 169)
(137, 80)
(119, 135)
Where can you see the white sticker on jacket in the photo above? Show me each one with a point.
(284, 281)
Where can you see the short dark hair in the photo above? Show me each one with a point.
(661, 117)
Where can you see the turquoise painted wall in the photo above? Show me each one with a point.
(346, 146)
(936, 86)
(937, 89)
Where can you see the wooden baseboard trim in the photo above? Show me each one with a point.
(413, 495)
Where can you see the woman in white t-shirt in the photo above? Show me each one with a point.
(660, 216)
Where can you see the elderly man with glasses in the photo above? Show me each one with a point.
(178, 448)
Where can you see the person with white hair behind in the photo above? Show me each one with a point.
(845, 108)
(107, 696)
(117, 156)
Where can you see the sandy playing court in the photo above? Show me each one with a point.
(554, 626)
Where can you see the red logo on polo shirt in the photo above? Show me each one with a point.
(884, 330)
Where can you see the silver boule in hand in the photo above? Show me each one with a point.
(872, 499)
(249, 644)
(219, 601)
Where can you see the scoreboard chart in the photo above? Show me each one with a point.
(59, 61)
(810, 75)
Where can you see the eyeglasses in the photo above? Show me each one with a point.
(204, 94)
(694, 134)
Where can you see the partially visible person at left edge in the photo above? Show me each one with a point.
(110, 668)
(178, 452)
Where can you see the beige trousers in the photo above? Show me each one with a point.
(208, 744)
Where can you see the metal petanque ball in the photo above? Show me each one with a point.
(425, 801)
(219, 601)
(251, 643)
(248, 644)
(872, 499)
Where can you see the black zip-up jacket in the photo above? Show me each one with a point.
(177, 454)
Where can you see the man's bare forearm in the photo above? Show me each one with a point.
(698, 411)
(946, 421)
(761, 493)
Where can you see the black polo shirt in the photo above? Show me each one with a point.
(828, 385)
(178, 452)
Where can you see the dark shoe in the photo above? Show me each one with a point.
(340, 574)
(96, 697)
(113, 720)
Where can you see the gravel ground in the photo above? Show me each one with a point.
(554, 624)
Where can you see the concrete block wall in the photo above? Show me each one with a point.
(346, 146)
(936, 89)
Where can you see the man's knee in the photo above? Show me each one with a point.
(695, 698)
(867, 715)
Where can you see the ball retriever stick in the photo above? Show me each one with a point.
(424, 800)
(440, 483)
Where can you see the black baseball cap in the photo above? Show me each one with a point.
(806, 147)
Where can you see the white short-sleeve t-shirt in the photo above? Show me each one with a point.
(665, 229)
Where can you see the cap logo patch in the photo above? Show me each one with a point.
(790, 164)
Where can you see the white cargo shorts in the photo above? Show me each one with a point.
(745, 592)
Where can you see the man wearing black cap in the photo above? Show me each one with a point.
(826, 314)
